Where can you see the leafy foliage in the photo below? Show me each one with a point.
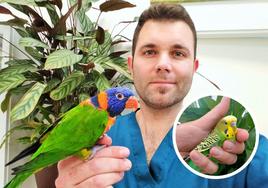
(202, 106)
(63, 64)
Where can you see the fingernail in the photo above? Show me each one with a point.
(194, 156)
(128, 164)
(124, 152)
(216, 151)
(228, 145)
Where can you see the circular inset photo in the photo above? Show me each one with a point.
(215, 137)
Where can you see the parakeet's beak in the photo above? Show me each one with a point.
(132, 102)
(233, 124)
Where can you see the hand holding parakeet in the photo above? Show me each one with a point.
(190, 134)
(225, 130)
(75, 133)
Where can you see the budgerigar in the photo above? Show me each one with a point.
(75, 133)
(225, 129)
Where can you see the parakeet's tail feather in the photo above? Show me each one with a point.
(18, 180)
(28, 151)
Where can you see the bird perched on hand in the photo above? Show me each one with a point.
(225, 129)
(75, 133)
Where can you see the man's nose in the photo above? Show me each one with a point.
(163, 63)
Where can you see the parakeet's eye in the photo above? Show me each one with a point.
(120, 96)
(225, 122)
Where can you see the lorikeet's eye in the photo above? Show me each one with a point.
(120, 96)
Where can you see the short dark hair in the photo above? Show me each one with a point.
(162, 12)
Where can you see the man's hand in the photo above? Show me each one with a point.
(106, 168)
(190, 134)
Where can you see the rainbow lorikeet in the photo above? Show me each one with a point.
(75, 133)
(225, 130)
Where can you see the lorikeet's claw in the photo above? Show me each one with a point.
(95, 149)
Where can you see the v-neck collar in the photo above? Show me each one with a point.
(159, 164)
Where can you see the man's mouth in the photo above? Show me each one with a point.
(162, 82)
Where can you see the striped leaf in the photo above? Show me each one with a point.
(16, 69)
(10, 82)
(67, 86)
(31, 42)
(85, 23)
(20, 2)
(61, 58)
(28, 102)
(119, 65)
(51, 84)
(102, 83)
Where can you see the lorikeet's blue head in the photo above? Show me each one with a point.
(115, 100)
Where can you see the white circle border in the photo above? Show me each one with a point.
(219, 93)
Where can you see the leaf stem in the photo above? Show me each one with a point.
(16, 47)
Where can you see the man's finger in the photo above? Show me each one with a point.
(68, 163)
(235, 148)
(207, 166)
(242, 135)
(223, 156)
(94, 167)
(105, 140)
(102, 180)
(209, 120)
(113, 151)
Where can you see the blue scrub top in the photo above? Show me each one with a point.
(166, 170)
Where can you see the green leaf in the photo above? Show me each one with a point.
(116, 64)
(5, 102)
(84, 21)
(67, 86)
(21, 2)
(66, 106)
(52, 13)
(63, 37)
(28, 102)
(19, 61)
(10, 82)
(21, 89)
(24, 140)
(17, 69)
(62, 58)
(31, 42)
(83, 96)
(112, 5)
(101, 82)
(51, 84)
(34, 53)
(15, 22)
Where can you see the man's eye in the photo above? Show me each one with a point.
(178, 54)
(149, 52)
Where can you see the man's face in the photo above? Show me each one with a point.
(163, 63)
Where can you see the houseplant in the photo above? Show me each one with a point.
(62, 65)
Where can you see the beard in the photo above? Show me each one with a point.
(164, 97)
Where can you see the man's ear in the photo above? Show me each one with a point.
(130, 64)
(196, 65)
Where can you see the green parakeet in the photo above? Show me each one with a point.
(75, 133)
(225, 130)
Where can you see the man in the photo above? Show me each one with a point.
(162, 65)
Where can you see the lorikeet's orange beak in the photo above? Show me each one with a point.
(132, 102)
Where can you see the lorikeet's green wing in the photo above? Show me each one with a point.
(80, 128)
